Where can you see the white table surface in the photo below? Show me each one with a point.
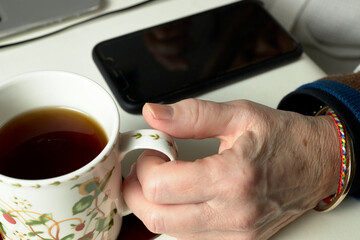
(71, 50)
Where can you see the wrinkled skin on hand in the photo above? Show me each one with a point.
(272, 166)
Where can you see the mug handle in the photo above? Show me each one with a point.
(146, 139)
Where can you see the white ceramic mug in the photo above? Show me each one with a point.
(83, 204)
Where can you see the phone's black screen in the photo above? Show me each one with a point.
(187, 56)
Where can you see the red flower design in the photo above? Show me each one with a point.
(80, 227)
(9, 218)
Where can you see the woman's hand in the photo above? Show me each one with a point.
(272, 166)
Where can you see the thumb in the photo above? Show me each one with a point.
(190, 118)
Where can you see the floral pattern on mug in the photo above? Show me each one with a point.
(44, 226)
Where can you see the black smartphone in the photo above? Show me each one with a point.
(189, 56)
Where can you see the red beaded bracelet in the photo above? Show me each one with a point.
(347, 164)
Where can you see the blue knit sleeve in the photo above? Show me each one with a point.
(345, 94)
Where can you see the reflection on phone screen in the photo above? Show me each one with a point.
(193, 52)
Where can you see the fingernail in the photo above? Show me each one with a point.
(160, 112)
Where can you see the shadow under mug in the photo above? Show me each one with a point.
(86, 203)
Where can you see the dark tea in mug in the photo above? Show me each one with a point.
(49, 142)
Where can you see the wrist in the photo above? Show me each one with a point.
(317, 140)
(329, 155)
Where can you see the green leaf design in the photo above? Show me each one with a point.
(155, 136)
(137, 136)
(111, 223)
(92, 186)
(100, 224)
(75, 186)
(75, 178)
(3, 211)
(104, 224)
(40, 221)
(68, 237)
(111, 220)
(169, 143)
(33, 234)
(2, 229)
(56, 183)
(83, 204)
(33, 222)
(45, 217)
(106, 179)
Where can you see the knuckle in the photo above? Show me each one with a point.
(248, 222)
(237, 188)
(245, 182)
(248, 178)
(247, 107)
(151, 189)
(198, 110)
(259, 116)
(193, 108)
